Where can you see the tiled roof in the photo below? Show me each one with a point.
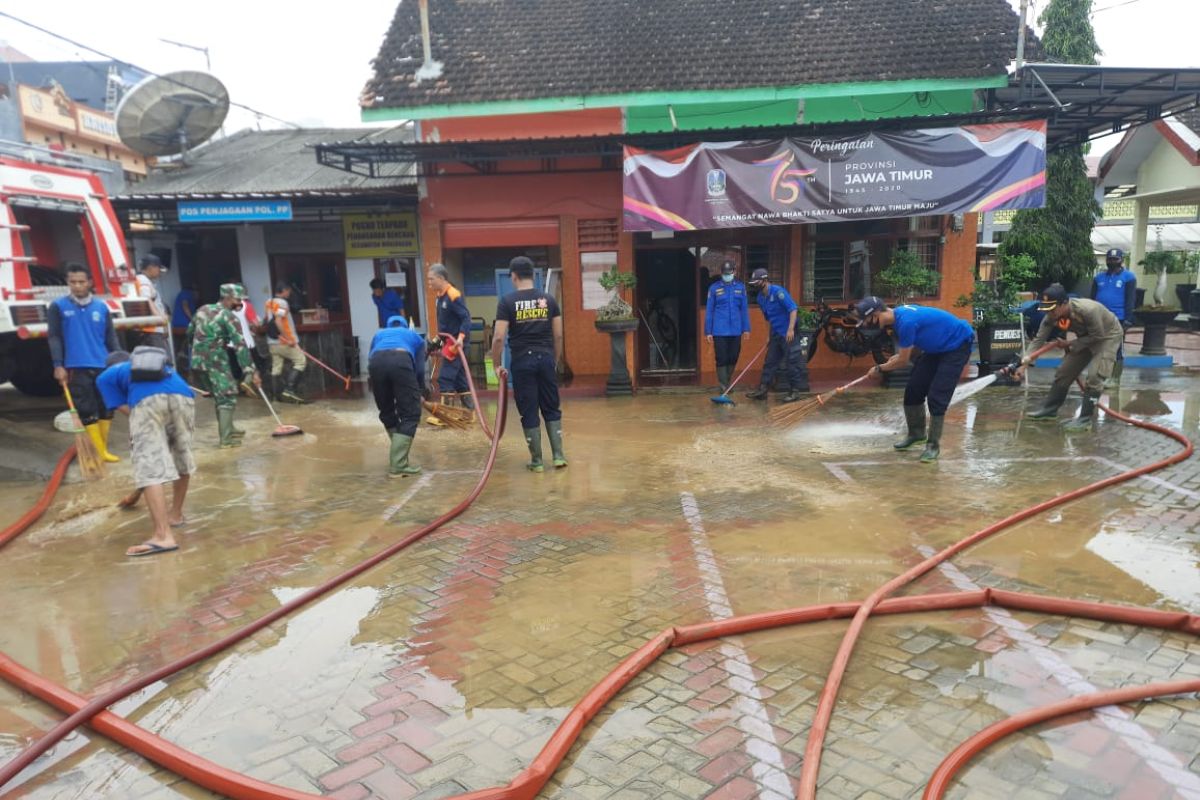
(531, 49)
(274, 162)
(1191, 119)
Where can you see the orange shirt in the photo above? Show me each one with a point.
(278, 308)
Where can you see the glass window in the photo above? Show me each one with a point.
(318, 281)
(843, 260)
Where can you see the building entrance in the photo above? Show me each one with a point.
(666, 295)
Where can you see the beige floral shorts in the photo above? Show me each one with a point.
(160, 429)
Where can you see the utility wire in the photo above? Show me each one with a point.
(1114, 5)
(125, 63)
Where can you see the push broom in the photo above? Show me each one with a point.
(85, 450)
(723, 398)
(280, 428)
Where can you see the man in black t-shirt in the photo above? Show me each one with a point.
(533, 324)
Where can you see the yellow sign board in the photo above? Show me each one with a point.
(380, 235)
(44, 108)
(94, 125)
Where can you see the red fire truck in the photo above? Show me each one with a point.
(52, 215)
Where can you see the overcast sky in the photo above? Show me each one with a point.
(307, 62)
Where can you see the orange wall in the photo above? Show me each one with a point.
(588, 122)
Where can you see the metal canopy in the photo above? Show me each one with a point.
(1080, 103)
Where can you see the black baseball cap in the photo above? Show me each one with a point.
(868, 306)
(1052, 297)
(758, 276)
(728, 268)
(150, 260)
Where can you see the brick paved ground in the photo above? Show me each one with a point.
(447, 668)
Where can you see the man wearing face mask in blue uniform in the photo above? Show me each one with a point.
(727, 321)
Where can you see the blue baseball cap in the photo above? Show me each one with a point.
(868, 306)
(1116, 253)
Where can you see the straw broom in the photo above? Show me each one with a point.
(460, 418)
(85, 450)
(792, 413)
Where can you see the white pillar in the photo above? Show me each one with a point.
(1141, 216)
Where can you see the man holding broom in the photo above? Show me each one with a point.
(784, 347)
(81, 335)
(944, 343)
(396, 364)
(213, 329)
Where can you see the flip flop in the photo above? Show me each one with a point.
(179, 524)
(154, 550)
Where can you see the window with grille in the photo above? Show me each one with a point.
(843, 260)
(825, 271)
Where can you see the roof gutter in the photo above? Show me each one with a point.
(641, 99)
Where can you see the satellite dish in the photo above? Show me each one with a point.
(168, 114)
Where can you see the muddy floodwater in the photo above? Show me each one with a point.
(446, 668)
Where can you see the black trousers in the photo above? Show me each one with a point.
(452, 377)
(397, 393)
(87, 399)
(535, 387)
(263, 365)
(728, 348)
(934, 377)
(794, 357)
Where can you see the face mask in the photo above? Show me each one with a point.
(727, 278)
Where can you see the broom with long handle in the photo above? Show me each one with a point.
(723, 398)
(85, 450)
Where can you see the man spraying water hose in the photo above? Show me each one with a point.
(944, 342)
(453, 318)
(1098, 336)
(396, 364)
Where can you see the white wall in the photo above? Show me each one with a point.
(168, 282)
(256, 268)
(364, 318)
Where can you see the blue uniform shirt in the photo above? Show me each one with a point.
(728, 310)
(400, 337)
(84, 331)
(1110, 291)
(178, 318)
(389, 305)
(453, 316)
(931, 330)
(118, 388)
(777, 305)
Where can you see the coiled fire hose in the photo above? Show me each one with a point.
(530, 781)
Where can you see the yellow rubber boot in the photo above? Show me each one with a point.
(99, 440)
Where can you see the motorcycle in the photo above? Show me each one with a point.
(839, 328)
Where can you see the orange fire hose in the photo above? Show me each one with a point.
(531, 780)
(31, 516)
(100, 703)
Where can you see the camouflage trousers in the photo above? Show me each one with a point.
(218, 379)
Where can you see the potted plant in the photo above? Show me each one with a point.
(906, 277)
(616, 318)
(996, 318)
(1156, 317)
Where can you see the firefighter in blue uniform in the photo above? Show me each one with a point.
(727, 321)
(1116, 290)
(453, 318)
(785, 346)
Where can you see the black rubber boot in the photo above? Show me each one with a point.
(932, 441)
(467, 401)
(533, 438)
(915, 416)
(1087, 414)
(291, 392)
(723, 377)
(1049, 409)
(757, 394)
(791, 397)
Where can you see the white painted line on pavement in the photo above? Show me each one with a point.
(768, 766)
(421, 482)
(1116, 719)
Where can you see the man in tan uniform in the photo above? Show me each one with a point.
(1098, 335)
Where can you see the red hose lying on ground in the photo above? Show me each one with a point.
(98, 704)
(31, 516)
(816, 735)
(531, 781)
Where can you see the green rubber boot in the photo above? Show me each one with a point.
(533, 438)
(554, 431)
(932, 441)
(1049, 409)
(398, 464)
(915, 416)
(723, 373)
(1087, 414)
(225, 428)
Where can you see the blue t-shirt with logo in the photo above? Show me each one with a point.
(84, 330)
(1110, 291)
(931, 330)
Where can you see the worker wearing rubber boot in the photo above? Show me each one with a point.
(533, 325)
(81, 335)
(1098, 336)
(938, 344)
(727, 321)
(453, 318)
(285, 346)
(1116, 290)
(213, 330)
(784, 347)
(396, 364)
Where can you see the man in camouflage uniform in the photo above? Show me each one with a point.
(213, 329)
